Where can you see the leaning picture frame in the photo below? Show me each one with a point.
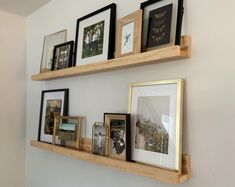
(162, 22)
(54, 103)
(156, 110)
(95, 36)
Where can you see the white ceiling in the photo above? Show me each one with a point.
(21, 7)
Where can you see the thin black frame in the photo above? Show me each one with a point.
(65, 109)
(70, 63)
(112, 30)
(180, 13)
(128, 132)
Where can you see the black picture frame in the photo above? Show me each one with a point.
(127, 118)
(70, 55)
(112, 29)
(179, 19)
(65, 109)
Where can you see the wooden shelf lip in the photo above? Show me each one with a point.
(155, 56)
(130, 167)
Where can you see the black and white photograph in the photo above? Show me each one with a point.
(119, 135)
(63, 56)
(100, 139)
(95, 36)
(162, 22)
(156, 110)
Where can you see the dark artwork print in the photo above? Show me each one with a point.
(93, 40)
(62, 57)
(159, 31)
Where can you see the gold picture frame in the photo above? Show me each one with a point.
(156, 108)
(128, 35)
(67, 131)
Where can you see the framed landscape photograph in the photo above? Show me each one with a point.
(54, 103)
(156, 123)
(67, 131)
(100, 139)
(95, 36)
(63, 56)
(128, 35)
(119, 135)
(162, 22)
(48, 47)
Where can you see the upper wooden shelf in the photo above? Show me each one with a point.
(163, 175)
(155, 56)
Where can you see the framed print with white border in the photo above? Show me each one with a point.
(95, 36)
(156, 123)
(54, 103)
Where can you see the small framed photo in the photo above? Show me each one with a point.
(67, 132)
(54, 103)
(119, 135)
(128, 35)
(100, 139)
(48, 46)
(156, 123)
(162, 22)
(95, 36)
(63, 56)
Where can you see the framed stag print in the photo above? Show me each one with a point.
(119, 135)
(156, 123)
(128, 35)
(54, 103)
(95, 36)
(162, 22)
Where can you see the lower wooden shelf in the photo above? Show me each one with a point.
(130, 167)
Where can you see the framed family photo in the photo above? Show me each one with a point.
(156, 123)
(162, 22)
(128, 35)
(54, 103)
(63, 56)
(67, 131)
(119, 135)
(95, 36)
(48, 47)
(100, 139)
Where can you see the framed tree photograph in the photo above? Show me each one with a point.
(162, 22)
(100, 139)
(63, 56)
(95, 36)
(48, 47)
(128, 35)
(54, 103)
(156, 123)
(67, 131)
(119, 135)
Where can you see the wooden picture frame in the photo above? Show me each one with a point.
(95, 36)
(119, 135)
(67, 131)
(63, 56)
(54, 103)
(156, 124)
(128, 35)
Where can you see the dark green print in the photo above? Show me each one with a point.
(93, 40)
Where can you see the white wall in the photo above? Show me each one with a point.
(12, 107)
(209, 96)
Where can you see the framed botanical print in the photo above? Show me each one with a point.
(156, 123)
(48, 46)
(95, 36)
(128, 35)
(162, 22)
(54, 103)
(63, 56)
(67, 131)
(100, 139)
(119, 135)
